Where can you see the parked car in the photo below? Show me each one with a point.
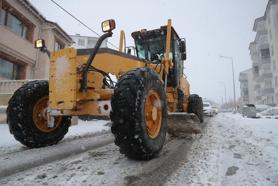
(260, 108)
(207, 109)
(271, 113)
(249, 111)
(215, 110)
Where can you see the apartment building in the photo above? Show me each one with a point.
(264, 56)
(261, 63)
(20, 25)
(271, 16)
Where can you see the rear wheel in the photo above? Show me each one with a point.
(195, 105)
(27, 117)
(139, 114)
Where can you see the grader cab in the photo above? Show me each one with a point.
(150, 84)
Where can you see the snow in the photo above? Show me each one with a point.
(3, 107)
(233, 151)
(87, 127)
(8, 142)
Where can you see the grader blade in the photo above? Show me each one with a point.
(182, 124)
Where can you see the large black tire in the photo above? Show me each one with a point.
(195, 105)
(20, 117)
(128, 118)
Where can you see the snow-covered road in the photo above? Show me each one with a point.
(231, 151)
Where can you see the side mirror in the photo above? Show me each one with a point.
(39, 44)
(182, 46)
(108, 25)
(183, 56)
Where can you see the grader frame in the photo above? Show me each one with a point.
(80, 84)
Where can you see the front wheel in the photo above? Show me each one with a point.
(195, 105)
(139, 114)
(27, 117)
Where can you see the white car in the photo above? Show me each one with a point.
(271, 113)
(207, 109)
(260, 108)
(215, 110)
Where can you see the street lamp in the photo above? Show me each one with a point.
(233, 73)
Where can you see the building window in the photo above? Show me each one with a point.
(14, 24)
(268, 84)
(9, 70)
(91, 43)
(265, 54)
(256, 70)
(245, 92)
(81, 42)
(58, 45)
(276, 81)
(272, 51)
(2, 16)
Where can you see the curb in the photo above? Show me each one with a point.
(17, 162)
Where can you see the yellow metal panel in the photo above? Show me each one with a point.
(167, 62)
(168, 39)
(122, 41)
(63, 79)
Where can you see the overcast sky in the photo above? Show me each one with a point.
(211, 28)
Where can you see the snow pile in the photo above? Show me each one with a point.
(232, 151)
(84, 128)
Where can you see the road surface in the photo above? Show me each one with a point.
(230, 151)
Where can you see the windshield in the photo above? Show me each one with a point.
(150, 49)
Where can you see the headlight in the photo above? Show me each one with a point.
(108, 25)
(40, 43)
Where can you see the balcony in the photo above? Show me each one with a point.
(258, 98)
(268, 91)
(16, 46)
(266, 75)
(265, 61)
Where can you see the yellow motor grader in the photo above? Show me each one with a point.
(149, 85)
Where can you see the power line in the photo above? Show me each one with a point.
(74, 17)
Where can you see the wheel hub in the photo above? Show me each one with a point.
(43, 121)
(153, 114)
